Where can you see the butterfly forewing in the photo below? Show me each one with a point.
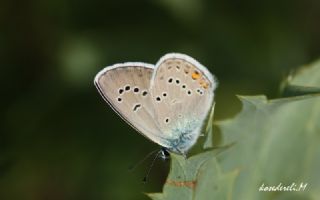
(182, 94)
(126, 88)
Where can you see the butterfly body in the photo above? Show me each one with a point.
(184, 135)
(167, 103)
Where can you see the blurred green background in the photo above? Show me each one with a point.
(59, 140)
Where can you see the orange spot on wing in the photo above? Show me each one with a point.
(204, 84)
(195, 75)
(189, 184)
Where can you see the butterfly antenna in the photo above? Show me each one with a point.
(149, 170)
(131, 168)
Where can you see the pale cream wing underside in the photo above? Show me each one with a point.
(182, 93)
(126, 88)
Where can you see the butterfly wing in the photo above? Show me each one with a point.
(182, 91)
(125, 87)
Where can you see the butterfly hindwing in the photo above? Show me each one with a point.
(182, 94)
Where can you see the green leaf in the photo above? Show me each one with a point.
(304, 83)
(195, 179)
(274, 142)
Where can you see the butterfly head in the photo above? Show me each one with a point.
(164, 154)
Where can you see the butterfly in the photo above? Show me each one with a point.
(167, 102)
